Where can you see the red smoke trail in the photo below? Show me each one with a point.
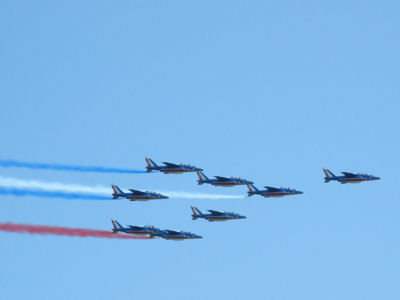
(66, 231)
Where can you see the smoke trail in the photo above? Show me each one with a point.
(99, 191)
(10, 182)
(64, 231)
(60, 167)
(190, 195)
(51, 194)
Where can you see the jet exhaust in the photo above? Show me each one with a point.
(60, 167)
(65, 231)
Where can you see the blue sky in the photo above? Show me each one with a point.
(268, 91)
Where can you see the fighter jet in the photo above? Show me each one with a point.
(177, 236)
(136, 195)
(170, 168)
(149, 230)
(272, 191)
(221, 181)
(215, 215)
(348, 177)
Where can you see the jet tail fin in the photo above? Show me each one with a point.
(252, 189)
(328, 175)
(202, 177)
(150, 164)
(116, 225)
(196, 212)
(117, 191)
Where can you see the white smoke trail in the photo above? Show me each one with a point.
(190, 195)
(10, 182)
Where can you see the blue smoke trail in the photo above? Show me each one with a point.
(59, 167)
(50, 194)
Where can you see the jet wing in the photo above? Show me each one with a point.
(170, 165)
(222, 178)
(136, 192)
(215, 213)
(347, 174)
(272, 189)
(172, 232)
(135, 227)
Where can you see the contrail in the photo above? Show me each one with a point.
(61, 167)
(65, 231)
(10, 183)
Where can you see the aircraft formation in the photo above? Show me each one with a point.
(213, 215)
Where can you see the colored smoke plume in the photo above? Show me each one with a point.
(61, 167)
(51, 194)
(65, 231)
(11, 182)
(75, 191)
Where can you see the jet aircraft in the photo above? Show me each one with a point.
(170, 168)
(177, 236)
(222, 181)
(138, 230)
(215, 215)
(348, 177)
(272, 191)
(136, 195)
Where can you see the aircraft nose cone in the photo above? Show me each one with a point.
(377, 178)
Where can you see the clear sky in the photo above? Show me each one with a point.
(271, 91)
